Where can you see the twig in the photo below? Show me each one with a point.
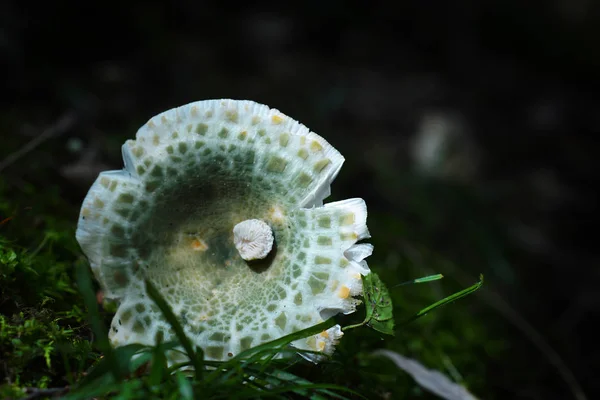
(36, 392)
(60, 127)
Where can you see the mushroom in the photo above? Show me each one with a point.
(220, 206)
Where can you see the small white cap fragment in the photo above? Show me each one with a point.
(253, 239)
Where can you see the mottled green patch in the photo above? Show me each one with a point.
(207, 151)
(316, 146)
(347, 219)
(346, 237)
(126, 198)
(271, 307)
(265, 337)
(303, 153)
(284, 139)
(113, 186)
(170, 149)
(125, 317)
(175, 135)
(171, 172)
(140, 169)
(298, 299)
(276, 164)
(223, 133)
(344, 262)
(182, 147)
(198, 144)
(322, 260)
(232, 115)
(324, 221)
(321, 275)
(138, 327)
(281, 321)
(215, 352)
(122, 211)
(324, 241)
(316, 286)
(157, 171)
(246, 342)
(217, 337)
(140, 308)
(152, 186)
(98, 203)
(281, 293)
(242, 135)
(201, 129)
(319, 165)
(118, 231)
(250, 156)
(262, 132)
(138, 152)
(303, 180)
(176, 159)
(297, 271)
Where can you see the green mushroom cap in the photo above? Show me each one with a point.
(203, 185)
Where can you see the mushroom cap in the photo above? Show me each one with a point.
(191, 175)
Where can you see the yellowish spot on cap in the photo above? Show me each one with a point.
(199, 245)
(316, 146)
(276, 214)
(276, 119)
(324, 334)
(344, 292)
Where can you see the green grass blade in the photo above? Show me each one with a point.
(424, 279)
(196, 359)
(84, 282)
(449, 299)
(186, 390)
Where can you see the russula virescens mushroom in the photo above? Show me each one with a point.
(220, 206)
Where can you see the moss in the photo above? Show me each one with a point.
(44, 339)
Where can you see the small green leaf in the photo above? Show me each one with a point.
(386, 327)
(378, 306)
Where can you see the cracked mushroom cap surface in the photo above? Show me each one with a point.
(191, 176)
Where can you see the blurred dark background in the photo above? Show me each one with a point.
(469, 127)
